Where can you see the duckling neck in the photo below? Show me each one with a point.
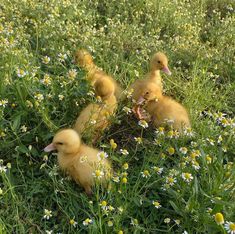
(154, 75)
(90, 67)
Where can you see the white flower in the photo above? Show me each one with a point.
(21, 73)
(3, 168)
(47, 214)
(116, 179)
(145, 174)
(126, 109)
(73, 222)
(93, 121)
(62, 57)
(110, 223)
(61, 97)
(46, 80)
(134, 222)
(98, 174)
(211, 141)
(187, 177)
(124, 151)
(156, 204)
(39, 97)
(159, 170)
(138, 140)
(3, 102)
(23, 128)
(49, 232)
(143, 123)
(171, 180)
(87, 221)
(129, 93)
(230, 227)
(91, 93)
(46, 59)
(167, 220)
(183, 150)
(188, 132)
(220, 139)
(102, 155)
(72, 74)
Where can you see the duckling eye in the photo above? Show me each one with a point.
(159, 61)
(59, 143)
(147, 93)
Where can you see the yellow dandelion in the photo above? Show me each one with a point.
(124, 180)
(113, 144)
(219, 218)
(125, 166)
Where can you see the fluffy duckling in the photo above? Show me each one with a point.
(158, 62)
(84, 59)
(77, 159)
(163, 109)
(96, 117)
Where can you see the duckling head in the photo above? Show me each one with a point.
(150, 92)
(65, 141)
(159, 61)
(83, 58)
(104, 88)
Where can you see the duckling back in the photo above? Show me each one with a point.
(167, 111)
(84, 59)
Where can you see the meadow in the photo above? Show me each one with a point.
(163, 183)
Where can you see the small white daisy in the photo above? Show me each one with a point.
(230, 227)
(87, 221)
(47, 214)
(143, 123)
(156, 204)
(187, 177)
(124, 151)
(102, 155)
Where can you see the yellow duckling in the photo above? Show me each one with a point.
(84, 59)
(163, 109)
(80, 161)
(96, 117)
(159, 62)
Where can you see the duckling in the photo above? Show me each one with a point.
(163, 109)
(77, 159)
(84, 59)
(158, 62)
(96, 117)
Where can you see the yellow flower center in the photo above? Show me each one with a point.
(171, 150)
(146, 173)
(219, 218)
(72, 221)
(104, 203)
(170, 180)
(232, 226)
(97, 173)
(187, 175)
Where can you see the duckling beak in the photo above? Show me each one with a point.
(49, 148)
(140, 100)
(166, 70)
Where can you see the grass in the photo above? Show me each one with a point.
(37, 97)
